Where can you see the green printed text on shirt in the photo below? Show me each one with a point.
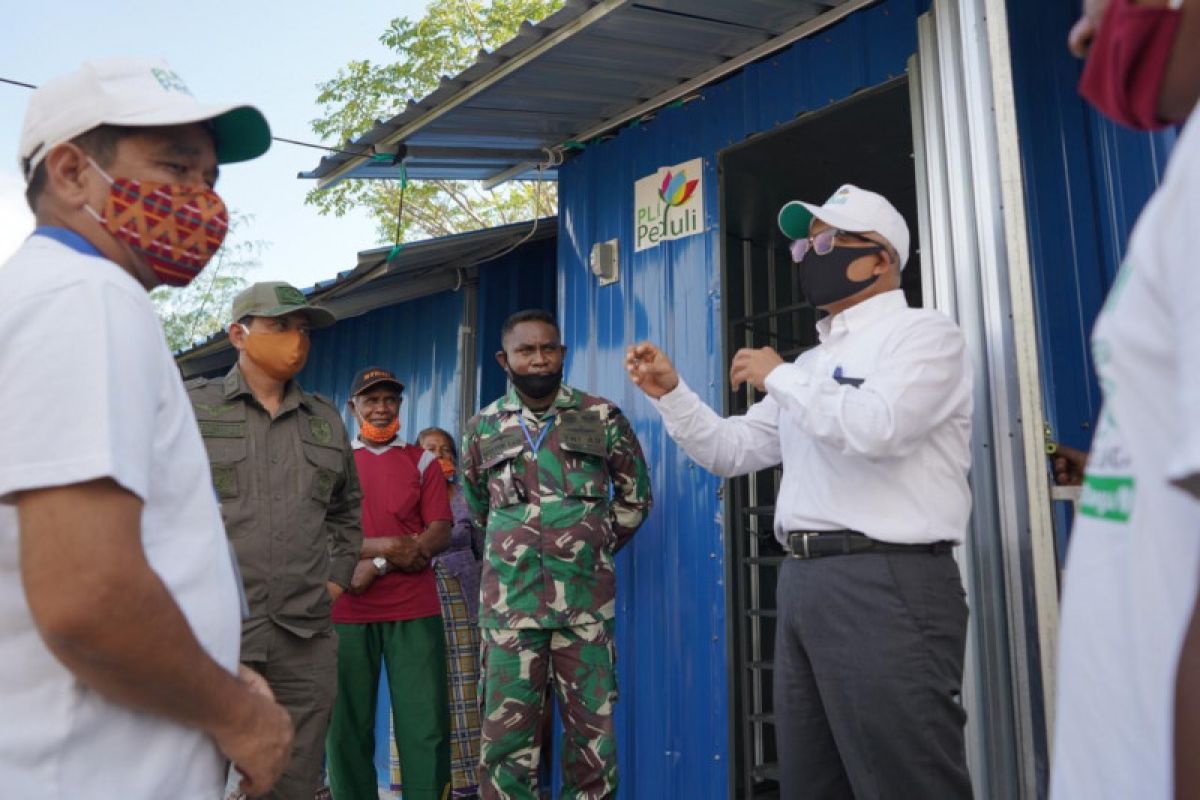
(1107, 497)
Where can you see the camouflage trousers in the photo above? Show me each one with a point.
(516, 665)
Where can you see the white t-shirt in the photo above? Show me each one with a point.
(88, 390)
(1131, 572)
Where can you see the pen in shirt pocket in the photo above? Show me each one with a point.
(840, 377)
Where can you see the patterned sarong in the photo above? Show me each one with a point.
(462, 676)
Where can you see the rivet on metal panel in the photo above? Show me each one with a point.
(716, 757)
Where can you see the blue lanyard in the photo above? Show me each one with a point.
(68, 238)
(534, 446)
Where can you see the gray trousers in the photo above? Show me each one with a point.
(868, 670)
(303, 675)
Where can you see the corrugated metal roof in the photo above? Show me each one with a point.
(419, 269)
(584, 70)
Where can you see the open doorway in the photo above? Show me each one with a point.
(865, 140)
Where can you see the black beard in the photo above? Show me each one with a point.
(537, 387)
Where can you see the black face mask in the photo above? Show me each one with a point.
(536, 387)
(823, 278)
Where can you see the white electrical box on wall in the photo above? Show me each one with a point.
(604, 262)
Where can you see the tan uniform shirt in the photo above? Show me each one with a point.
(290, 499)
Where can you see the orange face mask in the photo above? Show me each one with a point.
(448, 468)
(280, 354)
(376, 435)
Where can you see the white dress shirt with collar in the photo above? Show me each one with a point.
(887, 457)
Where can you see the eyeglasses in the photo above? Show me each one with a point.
(822, 243)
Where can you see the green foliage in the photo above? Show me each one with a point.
(202, 308)
(444, 42)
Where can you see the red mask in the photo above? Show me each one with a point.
(1127, 62)
(176, 229)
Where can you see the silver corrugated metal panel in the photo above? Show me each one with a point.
(587, 68)
(418, 270)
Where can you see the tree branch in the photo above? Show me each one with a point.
(460, 202)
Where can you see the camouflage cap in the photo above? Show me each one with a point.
(275, 299)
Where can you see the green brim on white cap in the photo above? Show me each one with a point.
(795, 219)
(132, 93)
(240, 134)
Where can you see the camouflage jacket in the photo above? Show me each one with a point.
(553, 520)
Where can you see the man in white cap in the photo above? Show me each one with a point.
(872, 427)
(119, 600)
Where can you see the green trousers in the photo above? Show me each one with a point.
(414, 654)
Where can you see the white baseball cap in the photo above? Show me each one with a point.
(132, 92)
(850, 209)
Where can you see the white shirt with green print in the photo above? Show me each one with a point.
(1134, 555)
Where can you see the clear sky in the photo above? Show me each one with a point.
(269, 54)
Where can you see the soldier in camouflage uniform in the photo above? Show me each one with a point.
(557, 480)
(284, 474)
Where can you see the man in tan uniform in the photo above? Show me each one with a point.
(284, 473)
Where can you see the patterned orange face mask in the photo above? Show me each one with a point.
(176, 228)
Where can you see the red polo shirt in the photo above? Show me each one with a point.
(396, 502)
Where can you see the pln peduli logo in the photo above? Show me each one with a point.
(669, 204)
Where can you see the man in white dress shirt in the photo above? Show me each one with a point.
(872, 427)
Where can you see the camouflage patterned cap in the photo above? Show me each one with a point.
(275, 299)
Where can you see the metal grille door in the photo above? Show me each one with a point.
(765, 308)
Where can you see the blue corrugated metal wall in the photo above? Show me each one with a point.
(673, 718)
(417, 340)
(1086, 180)
(522, 279)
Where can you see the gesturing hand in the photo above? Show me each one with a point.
(651, 370)
(753, 366)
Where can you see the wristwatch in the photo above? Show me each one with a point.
(381, 564)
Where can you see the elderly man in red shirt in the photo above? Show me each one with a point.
(391, 613)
